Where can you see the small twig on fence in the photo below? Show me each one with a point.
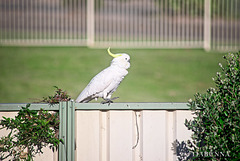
(137, 131)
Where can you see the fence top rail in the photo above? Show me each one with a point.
(98, 106)
(132, 106)
(33, 106)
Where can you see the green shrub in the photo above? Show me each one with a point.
(59, 96)
(30, 131)
(216, 125)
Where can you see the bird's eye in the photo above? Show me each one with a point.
(125, 58)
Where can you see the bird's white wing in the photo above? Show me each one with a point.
(100, 82)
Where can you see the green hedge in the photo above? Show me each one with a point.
(216, 127)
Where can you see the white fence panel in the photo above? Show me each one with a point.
(112, 135)
(88, 135)
(156, 135)
(120, 135)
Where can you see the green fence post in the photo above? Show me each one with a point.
(62, 132)
(70, 146)
(67, 131)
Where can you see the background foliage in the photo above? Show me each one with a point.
(216, 127)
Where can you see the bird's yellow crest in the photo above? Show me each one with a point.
(113, 55)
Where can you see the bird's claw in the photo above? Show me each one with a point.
(109, 101)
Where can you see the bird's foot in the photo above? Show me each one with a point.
(109, 101)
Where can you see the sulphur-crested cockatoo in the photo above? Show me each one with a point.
(107, 81)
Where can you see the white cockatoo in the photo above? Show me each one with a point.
(107, 81)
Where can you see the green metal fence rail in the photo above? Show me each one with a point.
(132, 106)
(35, 106)
(67, 110)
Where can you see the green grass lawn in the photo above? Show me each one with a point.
(155, 75)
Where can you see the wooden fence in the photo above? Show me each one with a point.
(208, 24)
(121, 131)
